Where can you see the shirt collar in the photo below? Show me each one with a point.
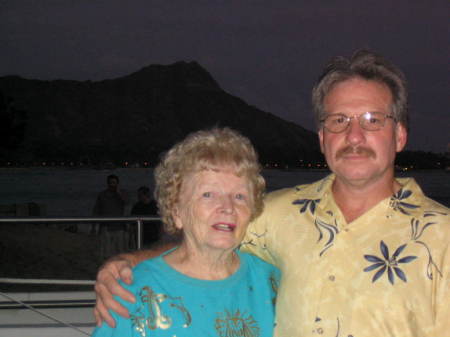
(409, 198)
(319, 190)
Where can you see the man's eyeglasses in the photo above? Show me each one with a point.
(370, 121)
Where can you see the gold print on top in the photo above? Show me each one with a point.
(236, 325)
(156, 318)
(186, 314)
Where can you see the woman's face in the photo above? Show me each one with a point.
(214, 209)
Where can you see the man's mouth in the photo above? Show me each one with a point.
(359, 151)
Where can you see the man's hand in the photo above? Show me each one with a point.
(107, 285)
(114, 269)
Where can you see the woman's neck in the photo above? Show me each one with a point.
(202, 264)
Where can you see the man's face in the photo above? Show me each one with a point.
(113, 184)
(143, 197)
(357, 156)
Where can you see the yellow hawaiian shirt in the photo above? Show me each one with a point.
(384, 274)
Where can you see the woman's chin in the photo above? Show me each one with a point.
(223, 245)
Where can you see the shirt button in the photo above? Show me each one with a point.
(345, 229)
(331, 278)
(320, 331)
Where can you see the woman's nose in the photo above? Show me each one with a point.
(227, 204)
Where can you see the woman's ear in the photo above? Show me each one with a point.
(176, 216)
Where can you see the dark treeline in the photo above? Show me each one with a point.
(422, 160)
(411, 160)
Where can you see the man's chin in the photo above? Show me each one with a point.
(355, 176)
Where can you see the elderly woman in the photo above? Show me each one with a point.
(208, 187)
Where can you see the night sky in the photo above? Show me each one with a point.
(269, 53)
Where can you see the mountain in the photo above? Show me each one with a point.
(134, 117)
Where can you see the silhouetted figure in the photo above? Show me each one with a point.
(146, 205)
(114, 237)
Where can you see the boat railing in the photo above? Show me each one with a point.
(67, 220)
(138, 220)
(15, 300)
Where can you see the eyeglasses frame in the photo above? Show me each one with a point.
(359, 117)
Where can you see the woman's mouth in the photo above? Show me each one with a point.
(227, 227)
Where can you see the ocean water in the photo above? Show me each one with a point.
(45, 252)
(72, 192)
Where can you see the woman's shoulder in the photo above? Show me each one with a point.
(261, 273)
(254, 261)
(147, 264)
(147, 269)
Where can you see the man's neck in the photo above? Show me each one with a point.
(354, 200)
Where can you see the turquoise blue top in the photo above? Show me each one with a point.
(171, 304)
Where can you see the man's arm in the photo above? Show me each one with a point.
(259, 235)
(442, 307)
(107, 285)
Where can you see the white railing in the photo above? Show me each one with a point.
(16, 330)
(61, 220)
(73, 220)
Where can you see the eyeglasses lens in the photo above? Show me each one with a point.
(371, 121)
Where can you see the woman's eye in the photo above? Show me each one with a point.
(207, 194)
(240, 196)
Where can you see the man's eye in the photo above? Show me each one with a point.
(374, 118)
(336, 120)
(207, 194)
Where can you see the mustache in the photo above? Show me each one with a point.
(355, 150)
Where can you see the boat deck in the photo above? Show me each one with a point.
(73, 308)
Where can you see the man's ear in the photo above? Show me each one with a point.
(401, 136)
(320, 133)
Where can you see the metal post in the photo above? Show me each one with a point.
(139, 233)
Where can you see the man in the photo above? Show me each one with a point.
(111, 202)
(361, 253)
(147, 206)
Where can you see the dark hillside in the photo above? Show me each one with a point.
(135, 117)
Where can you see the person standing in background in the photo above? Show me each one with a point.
(146, 205)
(111, 203)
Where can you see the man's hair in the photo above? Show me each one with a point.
(369, 66)
(112, 176)
(201, 151)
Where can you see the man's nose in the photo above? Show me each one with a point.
(355, 134)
